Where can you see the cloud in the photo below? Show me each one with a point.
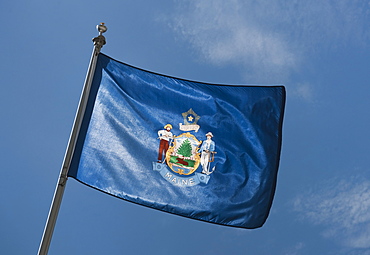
(296, 249)
(302, 91)
(342, 208)
(269, 38)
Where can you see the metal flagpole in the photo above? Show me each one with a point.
(99, 41)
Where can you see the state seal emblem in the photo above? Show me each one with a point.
(183, 160)
(183, 157)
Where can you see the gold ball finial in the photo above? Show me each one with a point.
(101, 28)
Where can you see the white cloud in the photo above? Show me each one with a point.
(269, 38)
(302, 91)
(296, 249)
(341, 208)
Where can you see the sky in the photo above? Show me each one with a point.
(320, 51)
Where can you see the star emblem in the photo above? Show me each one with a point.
(190, 117)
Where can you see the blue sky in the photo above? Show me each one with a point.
(318, 49)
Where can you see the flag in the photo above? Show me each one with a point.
(204, 151)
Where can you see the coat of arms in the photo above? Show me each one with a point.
(183, 160)
(183, 157)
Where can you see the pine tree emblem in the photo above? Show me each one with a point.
(185, 149)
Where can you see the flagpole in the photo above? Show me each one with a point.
(99, 41)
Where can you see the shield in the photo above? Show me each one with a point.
(183, 156)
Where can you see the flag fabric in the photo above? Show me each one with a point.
(204, 151)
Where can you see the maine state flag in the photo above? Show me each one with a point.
(204, 151)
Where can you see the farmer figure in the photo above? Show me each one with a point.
(165, 136)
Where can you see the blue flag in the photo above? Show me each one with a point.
(204, 151)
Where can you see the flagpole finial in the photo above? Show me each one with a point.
(99, 41)
(101, 28)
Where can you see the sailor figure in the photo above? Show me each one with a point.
(208, 147)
